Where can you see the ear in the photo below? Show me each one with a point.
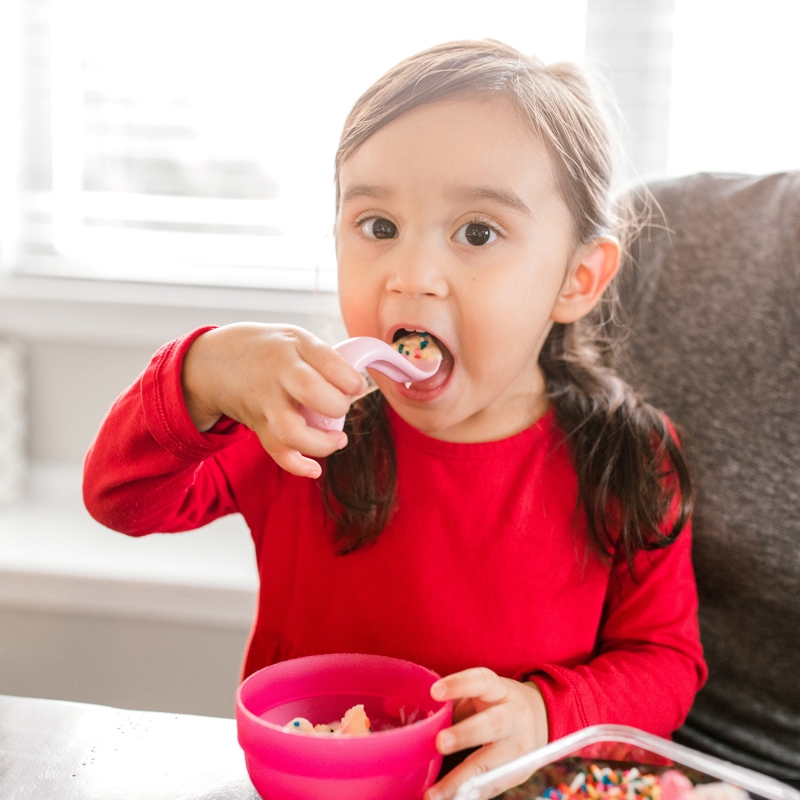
(593, 268)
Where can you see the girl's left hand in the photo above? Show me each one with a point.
(507, 717)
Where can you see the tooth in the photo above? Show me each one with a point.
(408, 384)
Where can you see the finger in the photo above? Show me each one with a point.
(325, 360)
(308, 387)
(478, 763)
(289, 429)
(311, 441)
(288, 439)
(490, 725)
(296, 463)
(479, 682)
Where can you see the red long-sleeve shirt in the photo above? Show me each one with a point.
(485, 562)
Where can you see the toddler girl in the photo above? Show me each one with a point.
(519, 522)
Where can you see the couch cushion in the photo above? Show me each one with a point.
(713, 294)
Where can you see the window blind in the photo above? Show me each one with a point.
(193, 141)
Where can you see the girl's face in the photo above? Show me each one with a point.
(451, 223)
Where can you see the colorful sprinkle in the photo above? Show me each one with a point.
(595, 783)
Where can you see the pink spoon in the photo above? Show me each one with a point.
(362, 352)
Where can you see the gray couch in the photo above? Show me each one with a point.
(713, 297)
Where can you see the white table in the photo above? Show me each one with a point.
(75, 751)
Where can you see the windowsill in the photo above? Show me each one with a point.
(54, 557)
(148, 314)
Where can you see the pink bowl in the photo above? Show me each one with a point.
(399, 763)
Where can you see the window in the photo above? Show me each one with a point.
(186, 141)
(702, 85)
(189, 141)
(735, 86)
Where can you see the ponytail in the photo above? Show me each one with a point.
(360, 481)
(633, 481)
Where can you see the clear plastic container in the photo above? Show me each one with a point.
(620, 743)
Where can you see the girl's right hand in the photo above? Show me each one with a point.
(258, 375)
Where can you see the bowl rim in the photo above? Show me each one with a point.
(434, 719)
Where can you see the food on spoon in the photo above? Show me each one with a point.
(354, 722)
(418, 346)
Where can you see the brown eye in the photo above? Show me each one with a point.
(379, 228)
(475, 234)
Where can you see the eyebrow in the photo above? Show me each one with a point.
(504, 197)
(366, 190)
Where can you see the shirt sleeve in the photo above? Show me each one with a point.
(648, 664)
(149, 468)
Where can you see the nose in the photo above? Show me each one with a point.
(417, 270)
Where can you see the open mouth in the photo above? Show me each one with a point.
(418, 338)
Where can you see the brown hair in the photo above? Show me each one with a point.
(633, 482)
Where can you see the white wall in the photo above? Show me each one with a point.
(83, 345)
(127, 663)
(71, 387)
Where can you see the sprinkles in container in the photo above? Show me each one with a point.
(617, 762)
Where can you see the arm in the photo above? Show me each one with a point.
(649, 662)
(153, 466)
(647, 669)
(149, 468)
